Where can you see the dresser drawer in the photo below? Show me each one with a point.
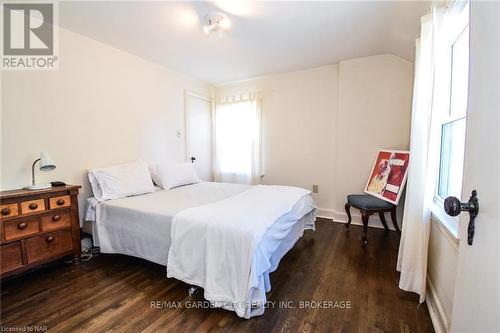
(20, 228)
(32, 206)
(48, 245)
(58, 202)
(56, 220)
(9, 210)
(11, 257)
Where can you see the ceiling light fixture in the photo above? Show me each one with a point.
(217, 22)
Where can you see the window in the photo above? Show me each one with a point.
(453, 119)
(454, 123)
(237, 142)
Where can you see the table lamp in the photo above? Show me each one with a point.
(46, 164)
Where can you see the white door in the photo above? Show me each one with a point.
(477, 289)
(199, 134)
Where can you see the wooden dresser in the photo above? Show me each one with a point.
(38, 226)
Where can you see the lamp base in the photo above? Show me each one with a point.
(38, 187)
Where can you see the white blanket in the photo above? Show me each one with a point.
(227, 234)
(140, 226)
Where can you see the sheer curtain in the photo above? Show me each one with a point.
(424, 149)
(238, 140)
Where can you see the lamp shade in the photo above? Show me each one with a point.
(46, 163)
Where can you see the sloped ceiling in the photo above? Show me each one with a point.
(264, 38)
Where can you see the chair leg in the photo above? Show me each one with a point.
(348, 211)
(382, 218)
(365, 216)
(394, 220)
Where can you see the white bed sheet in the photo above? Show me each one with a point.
(236, 238)
(140, 226)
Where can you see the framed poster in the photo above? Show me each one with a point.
(388, 176)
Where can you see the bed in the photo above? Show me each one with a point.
(240, 247)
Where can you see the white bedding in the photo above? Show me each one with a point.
(230, 258)
(141, 226)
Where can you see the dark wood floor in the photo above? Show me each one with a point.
(115, 292)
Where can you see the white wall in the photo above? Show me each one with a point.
(441, 273)
(375, 113)
(298, 116)
(325, 125)
(103, 106)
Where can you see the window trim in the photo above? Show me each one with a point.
(449, 224)
(453, 41)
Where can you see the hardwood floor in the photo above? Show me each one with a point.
(115, 292)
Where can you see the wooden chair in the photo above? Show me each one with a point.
(369, 205)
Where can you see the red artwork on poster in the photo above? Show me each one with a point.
(388, 175)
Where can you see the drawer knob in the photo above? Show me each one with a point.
(56, 218)
(5, 211)
(22, 226)
(49, 239)
(33, 206)
(60, 202)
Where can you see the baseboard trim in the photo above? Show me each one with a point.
(440, 320)
(341, 217)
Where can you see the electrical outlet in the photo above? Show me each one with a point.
(315, 188)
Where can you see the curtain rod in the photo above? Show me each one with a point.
(243, 96)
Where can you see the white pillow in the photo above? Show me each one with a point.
(153, 169)
(121, 181)
(96, 188)
(170, 175)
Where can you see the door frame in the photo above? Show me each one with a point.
(482, 116)
(192, 94)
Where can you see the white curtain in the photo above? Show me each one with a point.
(238, 140)
(424, 150)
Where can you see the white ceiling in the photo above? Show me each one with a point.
(264, 38)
